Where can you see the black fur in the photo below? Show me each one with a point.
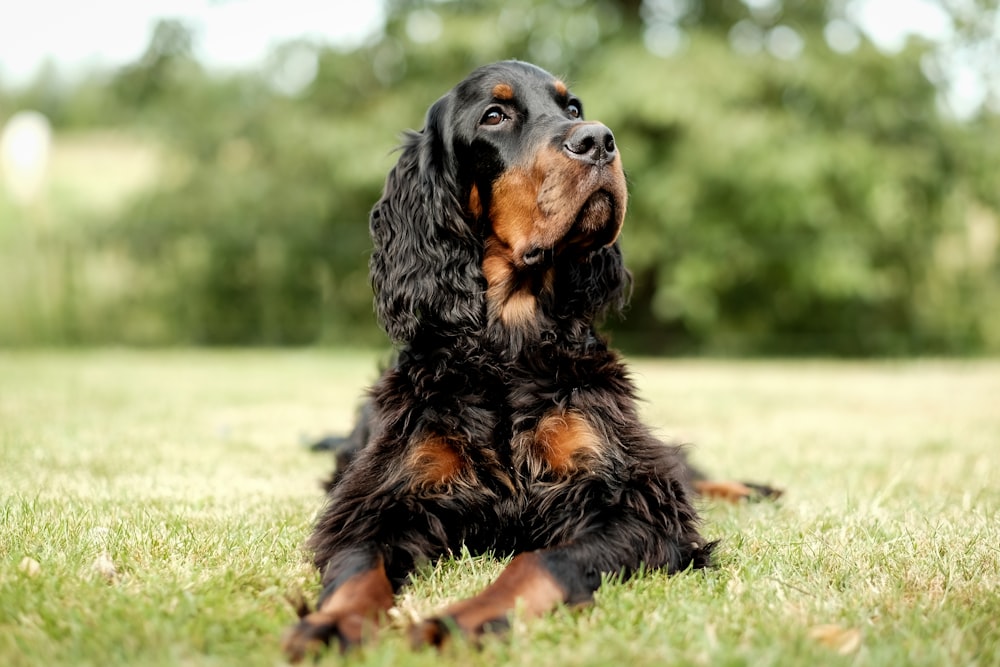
(451, 449)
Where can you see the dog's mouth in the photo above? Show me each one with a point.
(597, 225)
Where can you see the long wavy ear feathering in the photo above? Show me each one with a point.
(425, 264)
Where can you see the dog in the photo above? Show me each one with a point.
(506, 424)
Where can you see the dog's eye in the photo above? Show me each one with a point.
(573, 110)
(494, 116)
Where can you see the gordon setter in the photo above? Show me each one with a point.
(506, 425)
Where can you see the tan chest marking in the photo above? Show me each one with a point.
(435, 462)
(566, 440)
(512, 304)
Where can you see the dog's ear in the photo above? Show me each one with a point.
(425, 267)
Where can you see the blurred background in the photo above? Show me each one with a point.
(807, 177)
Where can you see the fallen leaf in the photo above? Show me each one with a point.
(105, 567)
(30, 566)
(838, 638)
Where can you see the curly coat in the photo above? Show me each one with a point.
(506, 424)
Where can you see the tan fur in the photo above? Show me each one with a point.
(514, 209)
(728, 491)
(357, 608)
(475, 204)
(525, 584)
(509, 303)
(435, 462)
(519, 309)
(503, 91)
(563, 440)
(530, 206)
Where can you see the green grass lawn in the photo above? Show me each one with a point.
(153, 507)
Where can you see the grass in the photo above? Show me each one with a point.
(153, 506)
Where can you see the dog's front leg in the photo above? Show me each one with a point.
(353, 604)
(533, 583)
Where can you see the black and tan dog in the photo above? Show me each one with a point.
(506, 424)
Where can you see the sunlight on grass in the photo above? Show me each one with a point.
(154, 506)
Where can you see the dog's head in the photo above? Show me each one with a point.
(502, 208)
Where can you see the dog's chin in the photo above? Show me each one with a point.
(597, 224)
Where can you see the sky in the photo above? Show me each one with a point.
(77, 36)
(231, 33)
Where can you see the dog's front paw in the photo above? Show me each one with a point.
(315, 631)
(437, 631)
(430, 632)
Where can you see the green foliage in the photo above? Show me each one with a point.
(254, 244)
(262, 238)
(793, 210)
(809, 202)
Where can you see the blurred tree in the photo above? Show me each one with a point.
(973, 49)
(793, 188)
(168, 57)
(260, 237)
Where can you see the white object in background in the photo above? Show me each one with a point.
(24, 154)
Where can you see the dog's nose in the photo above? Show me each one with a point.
(591, 142)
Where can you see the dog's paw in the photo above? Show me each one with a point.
(763, 491)
(439, 630)
(734, 492)
(318, 630)
(431, 632)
